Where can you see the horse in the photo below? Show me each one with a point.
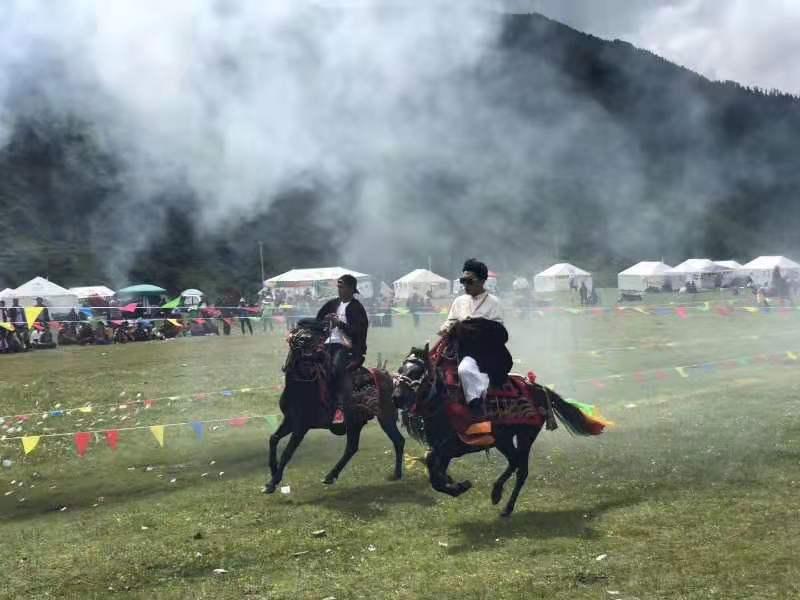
(433, 415)
(305, 404)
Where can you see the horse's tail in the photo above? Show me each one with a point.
(578, 418)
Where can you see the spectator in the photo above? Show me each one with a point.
(244, 316)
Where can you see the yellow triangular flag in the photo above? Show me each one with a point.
(29, 442)
(85, 409)
(791, 355)
(32, 313)
(682, 372)
(158, 433)
(174, 322)
(7, 326)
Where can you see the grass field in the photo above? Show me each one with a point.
(692, 495)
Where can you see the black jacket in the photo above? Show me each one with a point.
(485, 341)
(357, 324)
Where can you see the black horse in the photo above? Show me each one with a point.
(421, 393)
(306, 405)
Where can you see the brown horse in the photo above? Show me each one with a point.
(433, 416)
(306, 405)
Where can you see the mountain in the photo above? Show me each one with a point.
(624, 156)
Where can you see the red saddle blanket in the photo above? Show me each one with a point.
(514, 403)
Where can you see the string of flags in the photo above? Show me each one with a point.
(146, 402)
(83, 439)
(681, 311)
(685, 371)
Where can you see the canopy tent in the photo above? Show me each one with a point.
(57, 298)
(520, 284)
(319, 282)
(558, 277)
(704, 273)
(421, 282)
(92, 290)
(6, 293)
(644, 275)
(761, 268)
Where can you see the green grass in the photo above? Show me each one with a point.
(692, 495)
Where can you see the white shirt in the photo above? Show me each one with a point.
(337, 335)
(482, 306)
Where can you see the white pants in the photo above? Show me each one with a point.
(474, 382)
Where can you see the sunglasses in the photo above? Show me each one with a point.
(467, 281)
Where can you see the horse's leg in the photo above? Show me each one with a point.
(283, 430)
(504, 442)
(353, 437)
(294, 442)
(389, 426)
(524, 442)
(437, 473)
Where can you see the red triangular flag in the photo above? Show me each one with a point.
(112, 438)
(681, 312)
(82, 442)
(129, 308)
(238, 421)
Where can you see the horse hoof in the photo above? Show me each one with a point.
(329, 480)
(395, 477)
(269, 488)
(464, 486)
(497, 494)
(506, 513)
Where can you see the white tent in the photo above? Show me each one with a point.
(705, 273)
(733, 270)
(57, 298)
(761, 268)
(558, 277)
(644, 275)
(420, 282)
(6, 293)
(191, 297)
(320, 282)
(92, 290)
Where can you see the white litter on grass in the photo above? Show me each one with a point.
(286, 489)
(173, 480)
(220, 571)
(204, 475)
(145, 528)
(630, 405)
(443, 544)
(601, 557)
(371, 548)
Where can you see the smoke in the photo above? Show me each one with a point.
(418, 131)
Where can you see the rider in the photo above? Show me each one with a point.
(347, 343)
(482, 353)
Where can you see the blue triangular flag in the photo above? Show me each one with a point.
(87, 311)
(199, 429)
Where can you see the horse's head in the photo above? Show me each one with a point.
(306, 349)
(413, 379)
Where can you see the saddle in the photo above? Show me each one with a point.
(513, 403)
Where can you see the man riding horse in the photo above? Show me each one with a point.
(347, 342)
(475, 321)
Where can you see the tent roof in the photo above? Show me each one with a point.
(320, 274)
(729, 264)
(422, 276)
(648, 267)
(698, 265)
(764, 263)
(92, 290)
(142, 288)
(8, 292)
(192, 292)
(562, 270)
(39, 286)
